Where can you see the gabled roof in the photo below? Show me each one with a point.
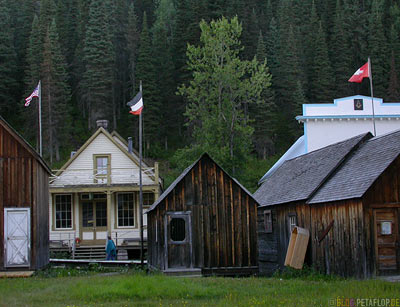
(101, 130)
(299, 178)
(182, 176)
(360, 170)
(24, 143)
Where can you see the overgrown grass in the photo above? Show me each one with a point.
(137, 288)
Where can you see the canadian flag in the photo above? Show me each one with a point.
(361, 73)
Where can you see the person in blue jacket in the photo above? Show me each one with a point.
(111, 250)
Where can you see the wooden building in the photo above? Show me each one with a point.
(96, 193)
(24, 199)
(205, 220)
(348, 196)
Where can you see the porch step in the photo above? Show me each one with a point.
(90, 252)
(184, 272)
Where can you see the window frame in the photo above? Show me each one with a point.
(145, 206)
(98, 177)
(268, 227)
(134, 210)
(290, 216)
(54, 226)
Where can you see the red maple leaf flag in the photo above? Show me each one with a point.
(361, 73)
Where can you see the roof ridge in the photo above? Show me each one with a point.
(367, 137)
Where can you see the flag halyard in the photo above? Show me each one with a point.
(136, 104)
(35, 93)
(361, 73)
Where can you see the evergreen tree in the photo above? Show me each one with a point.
(99, 58)
(162, 54)
(322, 78)
(378, 50)
(55, 95)
(262, 113)
(393, 91)
(145, 71)
(341, 56)
(8, 66)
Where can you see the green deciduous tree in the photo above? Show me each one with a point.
(221, 84)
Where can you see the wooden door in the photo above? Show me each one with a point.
(387, 241)
(94, 222)
(17, 237)
(178, 232)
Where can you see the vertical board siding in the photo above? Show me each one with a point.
(24, 183)
(223, 219)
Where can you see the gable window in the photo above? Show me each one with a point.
(292, 221)
(268, 221)
(126, 210)
(63, 211)
(101, 168)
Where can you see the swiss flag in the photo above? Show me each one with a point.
(361, 73)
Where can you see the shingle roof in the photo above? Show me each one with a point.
(297, 179)
(361, 169)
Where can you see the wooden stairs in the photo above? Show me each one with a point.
(90, 252)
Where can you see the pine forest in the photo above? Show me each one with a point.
(226, 77)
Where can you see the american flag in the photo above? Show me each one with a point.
(35, 93)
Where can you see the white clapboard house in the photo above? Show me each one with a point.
(96, 193)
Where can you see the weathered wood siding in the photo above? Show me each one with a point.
(273, 246)
(24, 183)
(384, 193)
(343, 251)
(223, 220)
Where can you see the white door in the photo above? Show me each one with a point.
(17, 237)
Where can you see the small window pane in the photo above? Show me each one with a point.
(177, 229)
(63, 211)
(268, 221)
(126, 212)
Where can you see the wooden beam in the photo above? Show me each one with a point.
(326, 231)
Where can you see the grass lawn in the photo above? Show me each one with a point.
(138, 289)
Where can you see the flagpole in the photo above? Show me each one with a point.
(372, 93)
(140, 186)
(40, 118)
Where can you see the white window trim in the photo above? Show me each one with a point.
(134, 212)
(55, 213)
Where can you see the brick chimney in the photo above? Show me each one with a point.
(102, 123)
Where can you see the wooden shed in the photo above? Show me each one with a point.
(348, 196)
(205, 220)
(24, 203)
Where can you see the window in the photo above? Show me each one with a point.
(292, 221)
(101, 214)
(268, 221)
(148, 199)
(101, 168)
(63, 211)
(126, 210)
(177, 229)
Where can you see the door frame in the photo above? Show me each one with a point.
(28, 211)
(188, 239)
(397, 221)
(95, 229)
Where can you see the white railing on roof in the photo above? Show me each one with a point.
(89, 177)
